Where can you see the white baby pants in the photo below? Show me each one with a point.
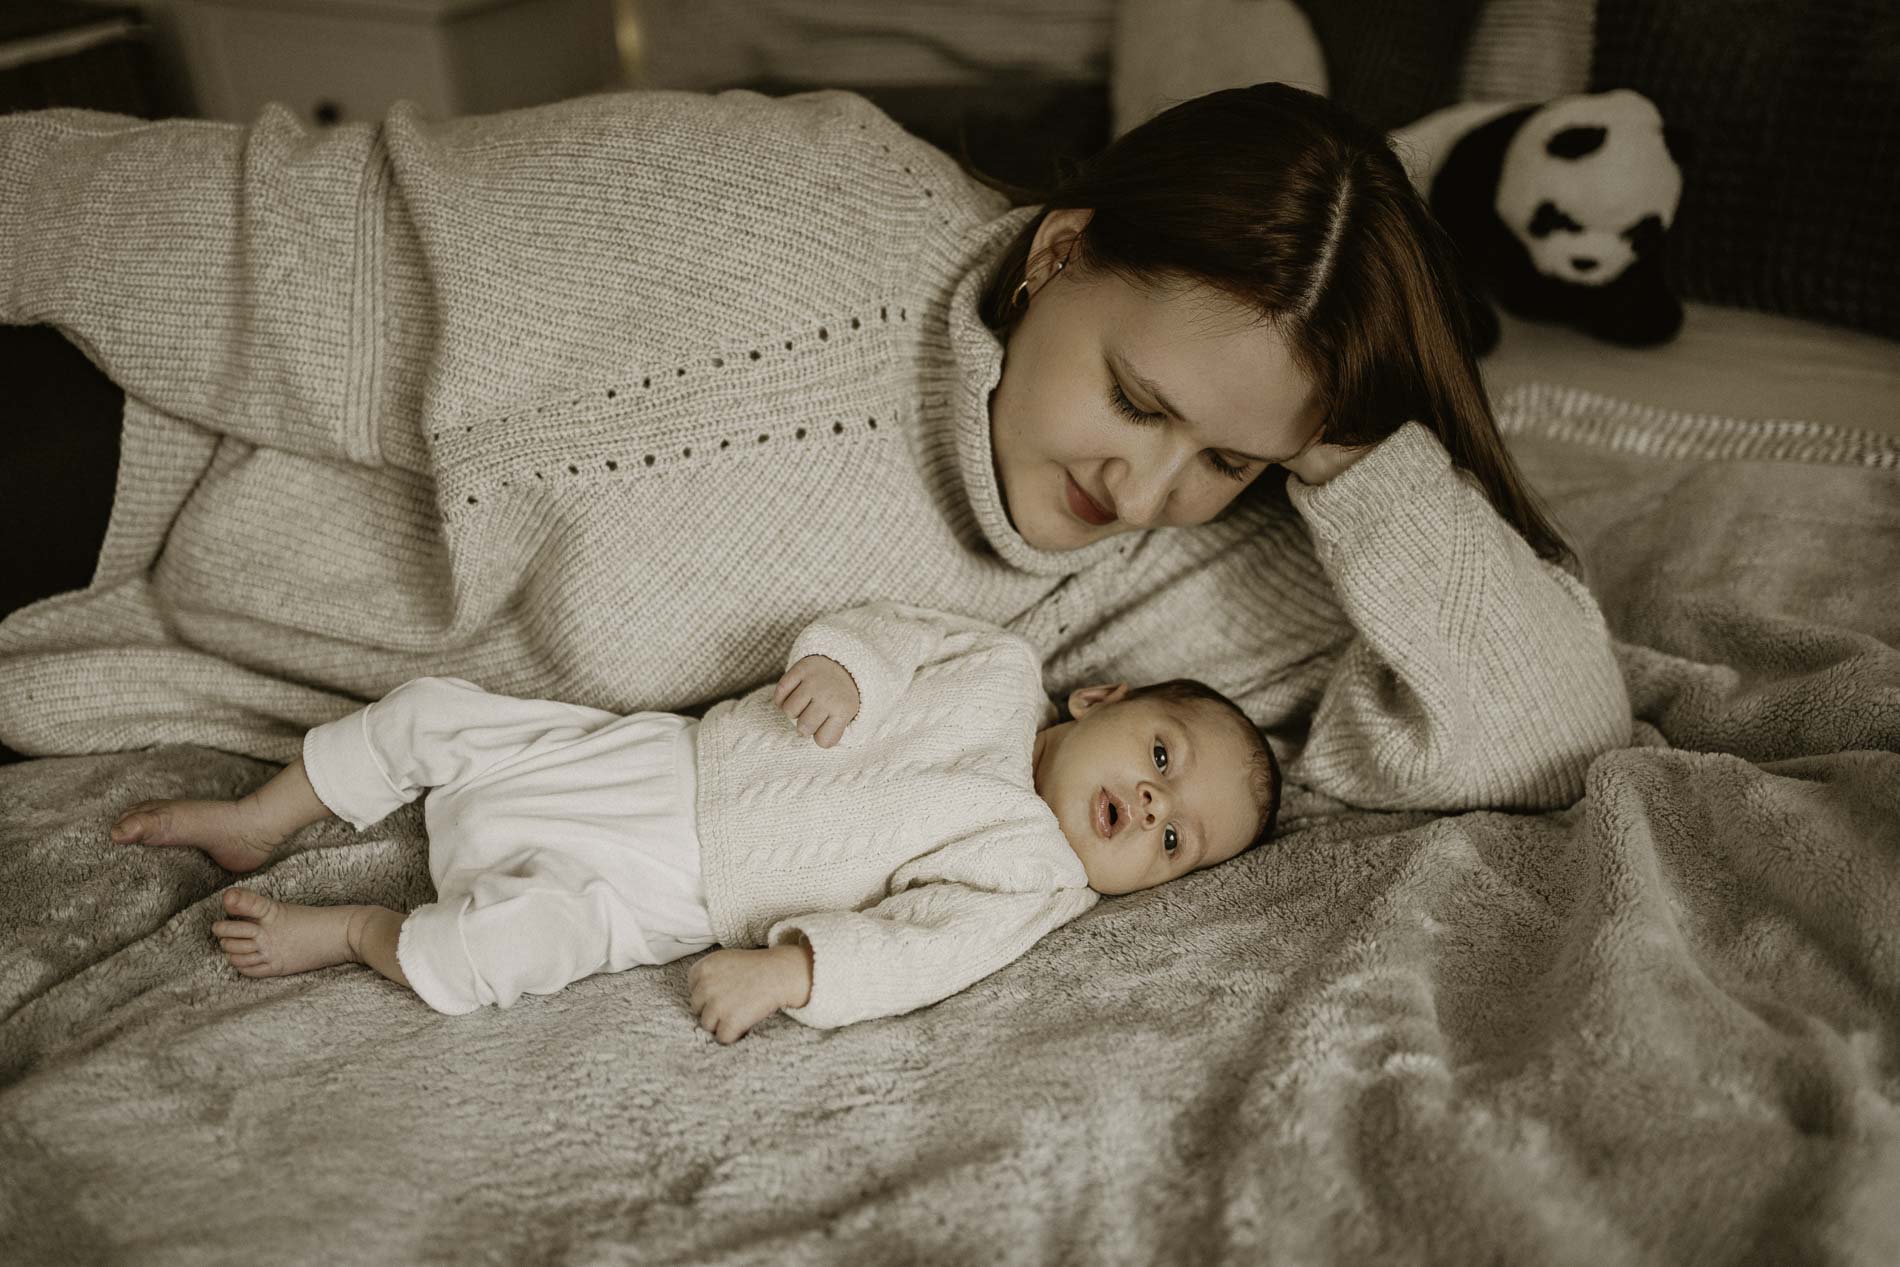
(561, 838)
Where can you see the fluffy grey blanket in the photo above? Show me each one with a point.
(1658, 1026)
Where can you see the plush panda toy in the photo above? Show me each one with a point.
(1559, 208)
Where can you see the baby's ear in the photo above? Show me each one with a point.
(1084, 698)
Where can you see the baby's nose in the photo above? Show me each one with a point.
(1150, 808)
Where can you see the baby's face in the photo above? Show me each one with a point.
(1148, 789)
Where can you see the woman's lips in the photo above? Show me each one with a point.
(1083, 507)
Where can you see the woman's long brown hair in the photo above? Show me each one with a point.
(1299, 211)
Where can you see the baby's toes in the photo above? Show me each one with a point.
(143, 822)
(246, 903)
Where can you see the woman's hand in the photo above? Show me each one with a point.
(733, 990)
(820, 696)
(1318, 462)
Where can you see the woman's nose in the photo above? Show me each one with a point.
(1142, 494)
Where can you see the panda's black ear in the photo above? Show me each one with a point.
(1574, 143)
(1680, 142)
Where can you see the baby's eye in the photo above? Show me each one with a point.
(1170, 840)
(1161, 756)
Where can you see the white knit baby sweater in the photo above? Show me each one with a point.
(915, 857)
(604, 401)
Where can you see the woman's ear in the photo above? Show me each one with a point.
(1056, 235)
(1085, 698)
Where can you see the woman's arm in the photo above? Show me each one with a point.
(1478, 675)
(224, 274)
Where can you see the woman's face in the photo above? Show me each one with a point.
(1219, 393)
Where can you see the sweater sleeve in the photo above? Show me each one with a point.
(223, 274)
(881, 645)
(918, 946)
(1477, 674)
(426, 733)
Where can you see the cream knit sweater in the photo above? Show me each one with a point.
(604, 401)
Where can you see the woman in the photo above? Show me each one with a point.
(603, 401)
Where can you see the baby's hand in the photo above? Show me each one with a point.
(820, 696)
(733, 990)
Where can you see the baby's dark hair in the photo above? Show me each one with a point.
(1265, 769)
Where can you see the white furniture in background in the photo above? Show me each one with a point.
(338, 60)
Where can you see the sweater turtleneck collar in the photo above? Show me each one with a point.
(979, 360)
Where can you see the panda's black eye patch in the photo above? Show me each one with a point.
(1645, 235)
(1548, 220)
(1575, 142)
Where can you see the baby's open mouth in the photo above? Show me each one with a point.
(1109, 813)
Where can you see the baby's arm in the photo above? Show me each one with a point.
(238, 835)
(878, 647)
(916, 947)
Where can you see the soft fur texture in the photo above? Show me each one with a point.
(1657, 1026)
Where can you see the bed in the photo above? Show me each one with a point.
(1659, 1025)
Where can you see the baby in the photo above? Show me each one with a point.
(919, 822)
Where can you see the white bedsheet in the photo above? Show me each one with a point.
(1727, 361)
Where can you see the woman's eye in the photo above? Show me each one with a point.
(1118, 399)
(1225, 467)
(1170, 840)
(1161, 757)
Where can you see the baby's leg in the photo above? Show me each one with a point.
(238, 835)
(268, 938)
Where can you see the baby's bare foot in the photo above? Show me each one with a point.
(268, 938)
(224, 830)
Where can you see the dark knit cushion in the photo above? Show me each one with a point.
(1791, 175)
(1392, 62)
